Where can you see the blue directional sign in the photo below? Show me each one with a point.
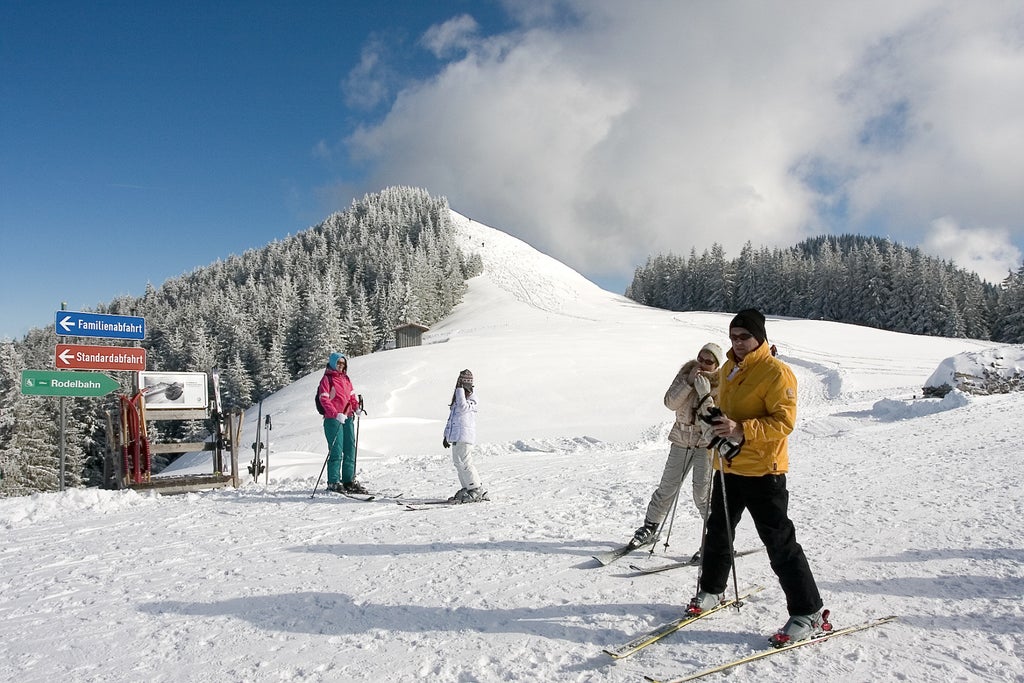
(76, 324)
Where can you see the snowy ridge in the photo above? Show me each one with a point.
(529, 276)
(906, 506)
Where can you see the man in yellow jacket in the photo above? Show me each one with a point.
(757, 397)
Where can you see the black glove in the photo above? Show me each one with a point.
(444, 442)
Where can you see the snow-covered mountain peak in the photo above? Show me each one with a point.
(525, 273)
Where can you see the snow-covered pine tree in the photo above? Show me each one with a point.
(237, 387)
(1010, 309)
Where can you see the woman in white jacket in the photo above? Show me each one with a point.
(459, 435)
(692, 392)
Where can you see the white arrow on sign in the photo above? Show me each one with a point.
(66, 356)
(66, 323)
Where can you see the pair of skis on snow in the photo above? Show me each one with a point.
(257, 466)
(606, 558)
(640, 642)
(408, 503)
(693, 562)
(653, 636)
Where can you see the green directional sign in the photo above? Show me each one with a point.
(56, 383)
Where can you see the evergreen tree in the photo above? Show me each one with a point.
(639, 287)
(905, 294)
(1010, 308)
(237, 387)
(827, 292)
(10, 396)
(867, 286)
(274, 372)
(969, 292)
(362, 333)
(748, 287)
(32, 455)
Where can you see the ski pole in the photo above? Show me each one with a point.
(315, 486)
(355, 449)
(671, 520)
(728, 527)
(672, 516)
(704, 526)
(329, 449)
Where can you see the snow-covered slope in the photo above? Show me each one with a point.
(555, 358)
(904, 505)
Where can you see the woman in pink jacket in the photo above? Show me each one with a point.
(340, 404)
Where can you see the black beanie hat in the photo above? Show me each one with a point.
(752, 321)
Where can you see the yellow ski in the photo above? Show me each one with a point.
(642, 641)
(776, 650)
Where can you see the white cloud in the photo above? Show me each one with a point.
(987, 251)
(958, 78)
(451, 37)
(369, 82)
(645, 127)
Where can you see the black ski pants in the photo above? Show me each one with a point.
(767, 500)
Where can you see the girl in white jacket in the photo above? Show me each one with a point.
(460, 434)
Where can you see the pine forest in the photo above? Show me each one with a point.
(851, 279)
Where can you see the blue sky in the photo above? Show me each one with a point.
(139, 140)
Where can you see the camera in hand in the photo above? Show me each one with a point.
(728, 449)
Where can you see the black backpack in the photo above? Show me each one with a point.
(319, 405)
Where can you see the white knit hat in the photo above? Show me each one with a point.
(715, 350)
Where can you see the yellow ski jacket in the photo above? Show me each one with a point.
(760, 393)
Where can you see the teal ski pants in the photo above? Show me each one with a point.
(341, 458)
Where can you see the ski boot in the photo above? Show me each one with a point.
(355, 487)
(469, 495)
(801, 627)
(644, 534)
(702, 602)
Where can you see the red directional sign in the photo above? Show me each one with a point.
(79, 357)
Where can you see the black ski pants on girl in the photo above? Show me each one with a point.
(767, 500)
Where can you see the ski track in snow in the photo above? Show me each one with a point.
(907, 507)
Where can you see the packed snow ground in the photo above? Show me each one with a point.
(904, 506)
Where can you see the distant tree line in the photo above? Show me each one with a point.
(266, 318)
(852, 279)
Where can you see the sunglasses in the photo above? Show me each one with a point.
(706, 361)
(743, 336)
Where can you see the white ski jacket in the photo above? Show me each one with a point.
(687, 432)
(461, 427)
